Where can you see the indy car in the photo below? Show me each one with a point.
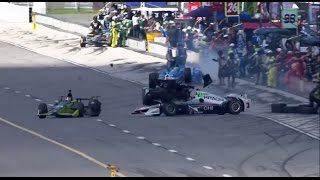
(98, 39)
(70, 108)
(172, 98)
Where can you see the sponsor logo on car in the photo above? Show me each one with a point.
(213, 98)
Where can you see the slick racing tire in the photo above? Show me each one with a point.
(187, 75)
(234, 106)
(80, 106)
(94, 108)
(306, 109)
(146, 98)
(83, 42)
(290, 109)
(169, 109)
(153, 80)
(277, 107)
(42, 108)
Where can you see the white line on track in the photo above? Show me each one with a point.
(112, 125)
(189, 159)
(226, 175)
(83, 155)
(17, 92)
(141, 137)
(50, 104)
(27, 95)
(156, 144)
(125, 131)
(99, 120)
(6, 88)
(38, 100)
(207, 167)
(173, 151)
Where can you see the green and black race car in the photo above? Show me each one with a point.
(70, 108)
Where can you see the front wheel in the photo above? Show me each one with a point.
(169, 109)
(234, 106)
(42, 109)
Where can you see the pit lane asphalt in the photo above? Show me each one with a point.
(242, 145)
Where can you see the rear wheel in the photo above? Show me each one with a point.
(169, 109)
(153, 80)
(80, 106)
(146, 98)
(235, 106)
(187, 75)
(94, 108)
(277, 107)
(42, 109)
(306, 109)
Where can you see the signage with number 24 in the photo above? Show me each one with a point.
(231, 9)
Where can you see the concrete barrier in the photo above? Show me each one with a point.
(70, 27)
(14, 13)
(136, 44)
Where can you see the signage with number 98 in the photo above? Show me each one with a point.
(289, 18)
(231, 9)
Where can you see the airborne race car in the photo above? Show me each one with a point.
(173, 96)
(68, 108)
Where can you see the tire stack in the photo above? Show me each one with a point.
(285, 108)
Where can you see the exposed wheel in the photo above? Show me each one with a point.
(153, 80)
(146, 98)
(83, 42)
(277, 107)
(306, 109)
(42, 109)
(290, 109)
(187, 75)
(234, 106)
(94, 108)
(80, 106)
(169, 109)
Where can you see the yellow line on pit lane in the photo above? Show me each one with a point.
(83, 155)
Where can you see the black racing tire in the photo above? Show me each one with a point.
(234, 106)
(146, 98)
(290, 109)
(221, 112)
(83, 41)
(277, 107)
(187, 75)
(80, 106)
(153, 80)
(169, 109)
(42, 108)
(306, 109)
(94, 108)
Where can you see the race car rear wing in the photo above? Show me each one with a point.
(88, 99)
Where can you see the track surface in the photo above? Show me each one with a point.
(242, 145)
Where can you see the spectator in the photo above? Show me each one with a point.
(189, 38)
(222, 62)
(172, 35)
(209, 31)
(231, 69)
(143, 26)
(135, 23)
(258, 65)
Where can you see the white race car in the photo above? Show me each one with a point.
(180, 100)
